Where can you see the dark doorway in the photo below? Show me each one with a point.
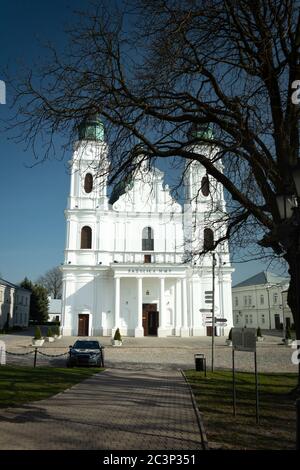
(150, 319)
(209, 331)
(277, 321)
(83, 325)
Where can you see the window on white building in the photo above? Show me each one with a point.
(236, 301)
(263, 320)
(147, 239)
(236, 319)
(249, 300)
(88, 183)
(250, 319)
(245, 300)
(246, 319)
(275, 298)
(208, 239)
(262, 299)
(205, 186)
(86, 238)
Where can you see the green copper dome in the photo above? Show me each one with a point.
(91, 128)
(201, 132)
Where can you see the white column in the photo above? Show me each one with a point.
(139, 330)
(162, 318)
(178, 310)
(117, 304)
(184, 331)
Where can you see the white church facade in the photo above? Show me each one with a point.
(127, 259)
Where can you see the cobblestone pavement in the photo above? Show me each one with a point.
(161, 353)
(116, 409)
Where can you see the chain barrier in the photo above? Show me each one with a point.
(35, 351)
(53, 355)
(20, 354)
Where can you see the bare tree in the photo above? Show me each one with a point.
(159, 72)
(52, 281)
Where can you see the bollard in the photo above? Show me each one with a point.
(35, 354)
(298, 424)
(200, 363)
(102, 356)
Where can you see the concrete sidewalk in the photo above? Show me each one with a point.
(116, 409)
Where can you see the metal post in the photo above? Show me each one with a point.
(213, 312)
(268, 287)
(256, 388)
(233, 384)
(283, 315)
(35, 354)
(102, 356)
(298, 424)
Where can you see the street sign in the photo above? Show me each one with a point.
(221, 320)
(244, 339)
(208, 296)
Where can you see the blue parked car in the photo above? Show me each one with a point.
(86, 353)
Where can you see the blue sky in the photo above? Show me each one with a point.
(33, 199)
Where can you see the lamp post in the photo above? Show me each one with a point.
(214, 262)
(283, 313)
(269, 307)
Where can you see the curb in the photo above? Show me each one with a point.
(198, 415)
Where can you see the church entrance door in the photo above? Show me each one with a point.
(83, 325)
(150, 319)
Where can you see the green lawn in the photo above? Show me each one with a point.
(23, 384)
(277, 409)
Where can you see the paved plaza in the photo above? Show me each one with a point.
(161, 353)
(141, 401)
(116, 409)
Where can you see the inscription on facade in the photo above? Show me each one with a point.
(144, 270)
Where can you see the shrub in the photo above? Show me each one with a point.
(230, 335)
(258, 333)
(117, 336)
(288, 333)
(37, 333)
(49, 333)
(55, 330)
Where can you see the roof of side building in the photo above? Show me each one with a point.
(5, 283)
(262, 278)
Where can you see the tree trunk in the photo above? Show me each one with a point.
(294, 300)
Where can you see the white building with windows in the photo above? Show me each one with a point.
(261, 301)
(127, 259)
(14, 305)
